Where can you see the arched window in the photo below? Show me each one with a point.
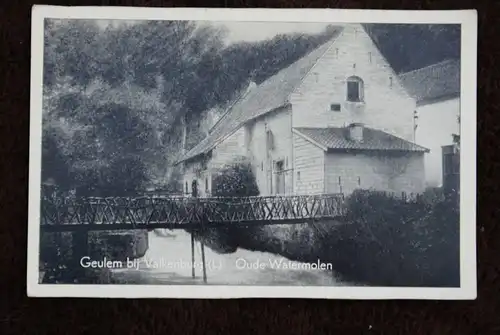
(187, 188)
(355, 89)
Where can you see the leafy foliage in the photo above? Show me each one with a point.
(387, 241)
(235, 181)
(238, 180)
(59, 265)
(414, 46)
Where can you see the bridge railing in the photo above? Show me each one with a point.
(169, 212)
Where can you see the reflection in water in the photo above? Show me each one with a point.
(168, 261)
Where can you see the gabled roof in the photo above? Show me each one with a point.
(337, 139)
(438, 81)
(271, 94)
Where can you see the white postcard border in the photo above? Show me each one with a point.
(468, 271)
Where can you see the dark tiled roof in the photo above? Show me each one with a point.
(433, 82)
(373, 140)
(269, 95)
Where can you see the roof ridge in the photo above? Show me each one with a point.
(317, 136)
(448, 60)
(231, 105)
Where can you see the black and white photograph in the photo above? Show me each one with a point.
(226, 153)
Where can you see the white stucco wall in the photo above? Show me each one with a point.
(279, 123)
(309, 167)
(386, 106)
(436, 124)
(345, 172)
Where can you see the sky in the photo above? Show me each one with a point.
(258, 31)
(250, 31)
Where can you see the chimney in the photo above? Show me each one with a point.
(355, 132)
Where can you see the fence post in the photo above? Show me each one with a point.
(202, 233)
(192, 255)
(194, 193)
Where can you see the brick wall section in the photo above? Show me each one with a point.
(386, 105)
(402, 173)
(310, 164)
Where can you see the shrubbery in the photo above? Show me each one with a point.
(59, 265)
(387, 241)
(236, 180)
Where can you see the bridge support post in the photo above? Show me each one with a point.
(203, 235)
(203, 262)
(192, 256)
(194, 188)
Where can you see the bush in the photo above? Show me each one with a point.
(55, 257)
(391, 242)
(235, 181)
(232, 181)
(238, 180)
(59, 265)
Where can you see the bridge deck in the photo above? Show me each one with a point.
(66, 214)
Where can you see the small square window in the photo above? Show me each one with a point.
(335, 107)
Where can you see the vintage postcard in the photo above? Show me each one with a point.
(240, 153)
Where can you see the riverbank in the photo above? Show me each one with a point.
(168, 262)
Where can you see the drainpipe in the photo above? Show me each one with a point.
(415, 125)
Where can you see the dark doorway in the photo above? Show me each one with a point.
(280, 177)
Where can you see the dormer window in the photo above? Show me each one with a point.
(354, 89)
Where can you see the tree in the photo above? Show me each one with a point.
(235, 180)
